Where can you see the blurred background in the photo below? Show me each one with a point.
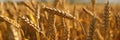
(79, 1)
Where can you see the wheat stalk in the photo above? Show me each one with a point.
(99, 34)
(92, 14)
(75, 24)
(64, 28)
(29, 6)
(62, 14)
(15, 27)
(41, 18)
(93, 4)
(51, 32)
(56, 2)
(2, 8)
(15, 5)
(117, 19)
(117, 24)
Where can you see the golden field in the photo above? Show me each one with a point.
(35, 20)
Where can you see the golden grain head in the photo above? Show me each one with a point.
(44, 20)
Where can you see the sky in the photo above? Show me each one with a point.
(84, 1)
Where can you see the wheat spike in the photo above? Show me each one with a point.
(11, 21)
(106, 21)
(51, 31)
(59, 12)
(31, 23)
(117, 18)
(92, 29)
(63, 14)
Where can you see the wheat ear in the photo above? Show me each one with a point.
(30, 23)
(11, 21)
(92, 29)
(106, 20)
(59, 12)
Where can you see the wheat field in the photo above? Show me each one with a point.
(59, 20)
